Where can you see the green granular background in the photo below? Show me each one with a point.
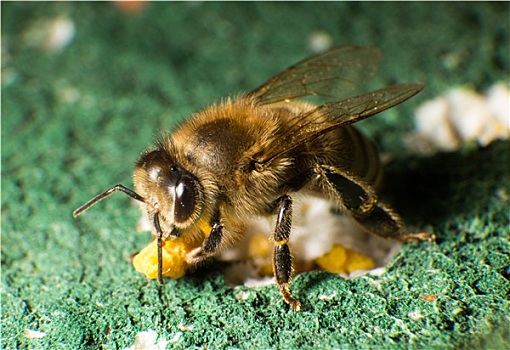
(74, 121)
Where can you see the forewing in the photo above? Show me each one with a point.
(333, 115)
(336, 73)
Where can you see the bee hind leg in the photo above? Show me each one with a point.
(360, 201)
(282, 259)
(384, 222)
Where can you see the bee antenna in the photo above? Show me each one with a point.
(160, 253)
(105, 194)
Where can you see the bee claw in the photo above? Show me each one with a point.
(289, 299)
(417, 237)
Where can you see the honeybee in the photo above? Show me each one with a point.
(247, 156)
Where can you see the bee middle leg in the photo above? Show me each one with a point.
(282, 259)
(360, 200)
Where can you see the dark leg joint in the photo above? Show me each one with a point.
(282, 264)
(356, 198)
(284, 220)
(210, 245)
(160, 244)
(381, 221)
(213, 241)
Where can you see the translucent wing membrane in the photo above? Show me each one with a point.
(336, 73)
(333, 115)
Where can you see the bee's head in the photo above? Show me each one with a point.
(169, 190)
(173, 196)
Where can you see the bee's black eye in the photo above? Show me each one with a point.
(185, 199)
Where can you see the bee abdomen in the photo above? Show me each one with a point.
(366, 163)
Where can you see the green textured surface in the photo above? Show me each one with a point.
(74, 121)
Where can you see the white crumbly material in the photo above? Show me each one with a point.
(50, 34)
(315, 229)
(319, 41)
(318, 229)
(147, 340)
(461, 115)
(33, 334)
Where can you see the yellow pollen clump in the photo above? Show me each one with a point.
(259, 251)
(342, 260)
(174, 258)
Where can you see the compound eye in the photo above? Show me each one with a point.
(185, 199)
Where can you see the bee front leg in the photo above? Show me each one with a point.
(213, 241)
(282, 259)
(211, 244)
(360, 200)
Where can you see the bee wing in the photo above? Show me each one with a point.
(334, 115)
(336, 73)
